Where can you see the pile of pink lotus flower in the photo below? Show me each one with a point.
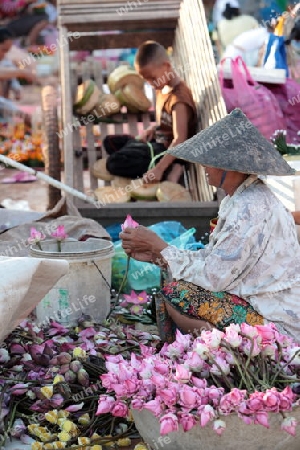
(248, 371)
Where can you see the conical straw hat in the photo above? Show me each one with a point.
(233, 144)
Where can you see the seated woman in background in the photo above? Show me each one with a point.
(250, 270)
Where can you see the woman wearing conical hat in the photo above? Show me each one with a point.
(250, 270)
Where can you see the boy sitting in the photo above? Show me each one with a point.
(176, 117)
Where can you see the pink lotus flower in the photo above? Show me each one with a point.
(105, 404)
(231, 401)
(168, 395)
(267, 332)
(194, 362)
(119, 409)
(56, 400)
(154, 406)
(206, 413)
(35, 236)
(188, 398)
(286, 398)
(212, 338)
(60, 233)
(129, 223)
(183, 374)
(109, 380)
(168, 423)
(137, 403)
(289, 425)
(261, 418)
(187, 421)
(232, 335)
(219, 426)
(271, 400)
(136, 299)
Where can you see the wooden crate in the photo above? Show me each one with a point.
(183, 23)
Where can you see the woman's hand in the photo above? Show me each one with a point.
(153, 175)
(143, 244)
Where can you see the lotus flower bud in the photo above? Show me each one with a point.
(110, 444)
(122, 428)
(47, 391)
(95, 436)
(64, 436)
(58, 379)
(64, 368)
(70, 376)
(75, 366)
(125, 442)
(45, 437)
(57, 400)
(17, 349)
(64, 358)
(26, 357)
(79, 353)
(19, 389)
(53, 361)
(48, 446)
(52, 416)
(84, 419)
(83, 377)
(4, 355)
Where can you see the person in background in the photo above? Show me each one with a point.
(232, 25)
(9, 74)
(22, 19)
(176, 116)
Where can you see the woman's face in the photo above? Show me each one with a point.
(214, 176)
(5, 47)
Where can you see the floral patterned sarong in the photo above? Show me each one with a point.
(220, 309)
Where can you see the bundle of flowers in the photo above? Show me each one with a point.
(249, 371)
(50, 384)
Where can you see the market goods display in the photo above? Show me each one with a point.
(172, 192)
(108, 194)
(108, 104)
(133, 98)
(87, 97)
(145, 192)
(21, 144)
(122, 76)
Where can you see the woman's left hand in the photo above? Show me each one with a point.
(142, 244)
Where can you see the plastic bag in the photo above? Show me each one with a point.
(146, 276)
(256, 101)
(289, 101)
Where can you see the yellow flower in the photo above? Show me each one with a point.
(36, 430)
(140, 446)
(52, 416)
(64, 436)
(84, 419)
(58, 444)
(63, 414)
(47, 391)
(45, 437)
(110, 444)
(125, 442)
(58, 379)
(85, 441)
(95, 436)
(37, 446)
(96, 447)
(48, 446)
(79, 353)
(70, 427)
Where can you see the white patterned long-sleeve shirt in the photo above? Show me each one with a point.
(253, 253)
